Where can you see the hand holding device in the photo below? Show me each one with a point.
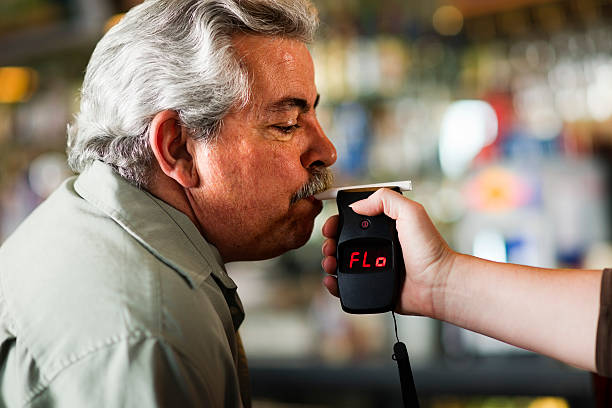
(465, 290)
(369, 285)
(426, 256)
(369, 259)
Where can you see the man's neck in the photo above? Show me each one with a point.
(173, 194)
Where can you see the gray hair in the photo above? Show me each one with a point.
(176, 55)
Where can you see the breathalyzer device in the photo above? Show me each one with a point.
(371, 267)
(369, 256)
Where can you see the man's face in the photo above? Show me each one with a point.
(264, 154)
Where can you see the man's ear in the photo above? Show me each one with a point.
(168, 140)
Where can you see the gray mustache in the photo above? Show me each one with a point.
(322, 179)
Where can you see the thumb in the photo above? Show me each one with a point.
(382, 201)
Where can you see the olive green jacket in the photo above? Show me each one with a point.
(108, 298)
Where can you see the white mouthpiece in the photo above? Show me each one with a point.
(333, 192)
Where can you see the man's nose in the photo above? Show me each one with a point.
(321, 151)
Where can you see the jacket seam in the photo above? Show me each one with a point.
(138, 335)
(72, 360)
(11, 322)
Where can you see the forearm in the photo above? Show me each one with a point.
(552, 312)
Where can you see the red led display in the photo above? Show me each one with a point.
(380, 262)
(371, 255)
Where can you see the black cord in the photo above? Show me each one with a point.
(400, 355)
(395, 325)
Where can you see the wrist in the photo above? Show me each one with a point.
(441, 288)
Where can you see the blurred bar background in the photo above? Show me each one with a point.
(500, 111)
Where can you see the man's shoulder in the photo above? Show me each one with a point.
(73, 281)
(69, 246)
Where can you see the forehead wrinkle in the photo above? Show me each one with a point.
(288, 104)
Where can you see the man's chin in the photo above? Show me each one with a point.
(304, 231)
(309, 204)
(298, 231)
(291, 243)
(292, 234)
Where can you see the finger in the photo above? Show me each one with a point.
(329, 264)
(382, 201)
(330, 228)
(329, 247)
(331, 283)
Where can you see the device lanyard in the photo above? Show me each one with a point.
(400, 355)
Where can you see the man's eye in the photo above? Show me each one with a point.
(287, 129)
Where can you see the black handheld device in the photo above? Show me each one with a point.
(369, 257)
(371, 267)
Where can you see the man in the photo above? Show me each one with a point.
(197, 144)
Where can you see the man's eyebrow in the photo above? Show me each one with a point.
(289, 103)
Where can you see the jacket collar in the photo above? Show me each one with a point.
(163, 230)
